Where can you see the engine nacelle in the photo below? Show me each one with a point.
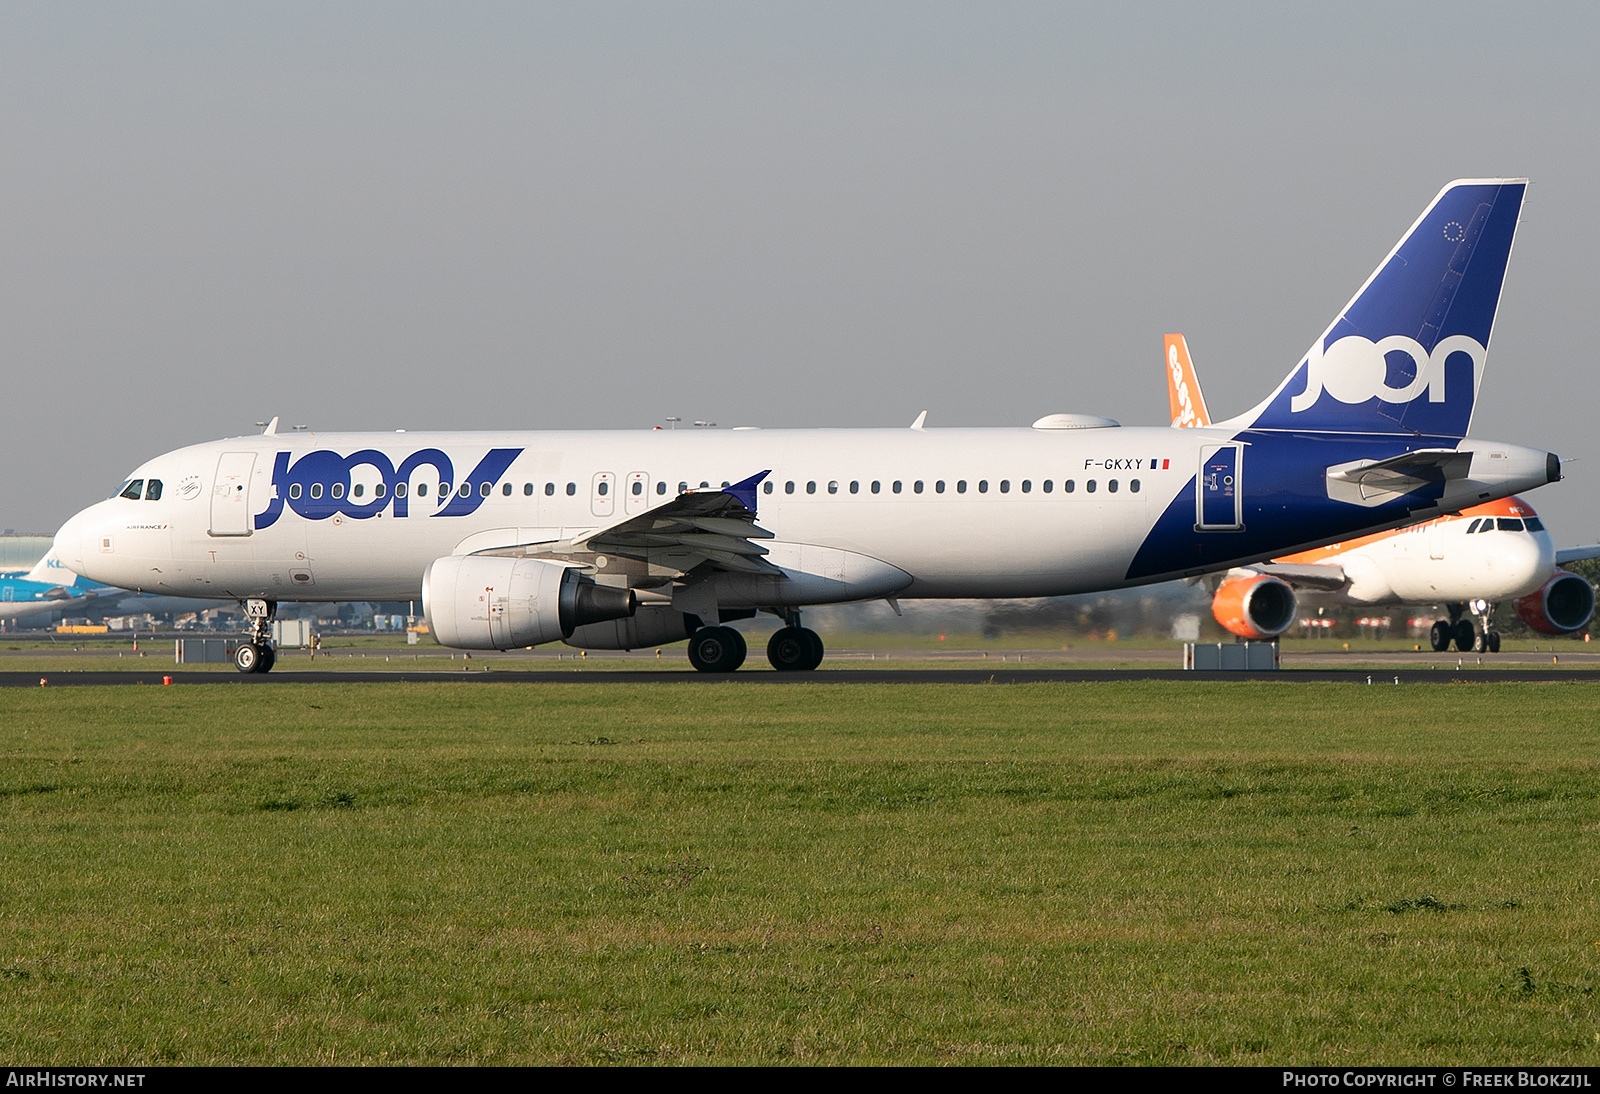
(1564, 605)
(651, 625)
(482, 602)
(1257, 606)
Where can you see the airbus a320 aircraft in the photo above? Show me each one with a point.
(1468, 561)
(610, 540)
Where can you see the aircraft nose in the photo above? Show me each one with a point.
(77, 542)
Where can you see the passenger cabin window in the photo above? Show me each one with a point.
(1112, 486)
(788, 488)
(152, 490)
(506, 490)
(485, 488)
(896, 486)
(399, 490)
(683, 488)
(549, 489)
(133, 491)
(938, 487)
(294, 491)
(833, 486)
(638, 488)
(1089, 486)
(378, 488)
(338, 490)
(316, 490)
(855, 486)
(1068, 486)
(357, 490)
(1027, 485)
(876, 486)
(527, 489)
(983, 486)
(422, 489)
(961, 486)
(1005, 486)
(811, 487)
(1048, 486)
(572, 488)
(1133, 485)
(661, 487)
(767, 487)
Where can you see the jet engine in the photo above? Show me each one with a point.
(1564, 605)
(651, 625)
(482, 602)
(1254, 606)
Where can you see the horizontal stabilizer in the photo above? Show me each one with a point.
(1565, 555)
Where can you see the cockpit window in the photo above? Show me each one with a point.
(152, 492)
(1509, 524)
(1534, 524)
(1473, 527)
(133, 490)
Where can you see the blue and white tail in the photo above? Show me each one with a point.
(1406, 354)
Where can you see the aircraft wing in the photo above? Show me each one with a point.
(1308, 575)
(713, 529)
(1576, 554)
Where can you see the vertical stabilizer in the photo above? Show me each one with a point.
(1183, 386)
(1406, 355)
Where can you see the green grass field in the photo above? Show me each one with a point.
(1129, 873)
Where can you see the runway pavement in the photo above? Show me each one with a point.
(1364, 677)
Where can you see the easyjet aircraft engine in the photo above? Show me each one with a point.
(480, 602)
(1564, 605)
(1257, 606)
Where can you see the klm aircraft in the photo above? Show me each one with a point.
(49, 586)
(615, 540)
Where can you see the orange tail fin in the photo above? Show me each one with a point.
(1183, 387)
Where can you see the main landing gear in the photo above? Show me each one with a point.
(255, 653)
(792, 648)
(1467, 636)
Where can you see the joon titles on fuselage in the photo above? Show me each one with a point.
(625, 539)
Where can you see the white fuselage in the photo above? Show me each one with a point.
(960, 512)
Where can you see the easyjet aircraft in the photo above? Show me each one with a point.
(610, 540)
(1468, 561)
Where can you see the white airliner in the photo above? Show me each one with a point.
(1468, 561)
(629, 539)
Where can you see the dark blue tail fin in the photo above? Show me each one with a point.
(1407, 353)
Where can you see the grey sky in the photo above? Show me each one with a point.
(516, 215)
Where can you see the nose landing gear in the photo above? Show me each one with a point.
(1469, 637)
(255, 653)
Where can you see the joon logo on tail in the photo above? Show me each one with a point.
(318, 485)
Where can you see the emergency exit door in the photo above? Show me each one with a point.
(230, 494)
(1218, 489)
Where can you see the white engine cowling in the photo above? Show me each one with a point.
(651, 625)
(482, 602)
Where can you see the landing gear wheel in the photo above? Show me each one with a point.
(716, 649)
(247, 657)
(1441, 634)
(794, 649)
(1493, 639)
(1466, 635)
(269, 657)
